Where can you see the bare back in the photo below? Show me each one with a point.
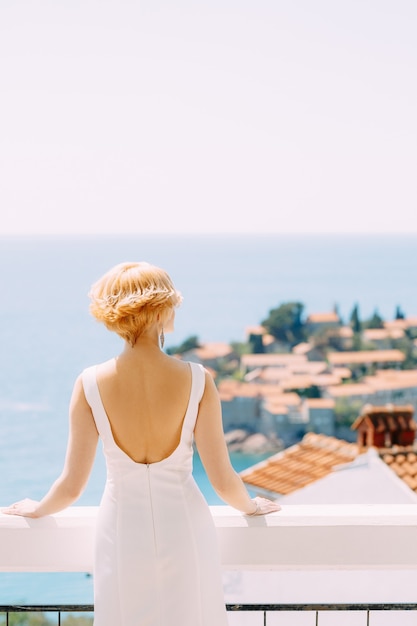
(145, 399)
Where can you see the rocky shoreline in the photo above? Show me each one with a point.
(241, 440)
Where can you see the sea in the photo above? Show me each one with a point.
(229, 282)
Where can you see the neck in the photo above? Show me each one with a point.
(147, 341)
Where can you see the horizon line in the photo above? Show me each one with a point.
(209, 234)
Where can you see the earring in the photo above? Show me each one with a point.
(162, 338)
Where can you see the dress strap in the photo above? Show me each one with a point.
(92, 395)
(197, 389)
(89, 385)
(199, 382)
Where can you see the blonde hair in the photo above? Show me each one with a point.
(130, 297)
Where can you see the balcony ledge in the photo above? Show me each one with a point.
(325, 537)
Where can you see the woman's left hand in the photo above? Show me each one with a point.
(24, 508)
(264, 506)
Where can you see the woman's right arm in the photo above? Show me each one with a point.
(81, 449)
(214, 455)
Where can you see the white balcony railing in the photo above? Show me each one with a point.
(297, 538)
(303, 554)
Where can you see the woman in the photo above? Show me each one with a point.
(156, 558)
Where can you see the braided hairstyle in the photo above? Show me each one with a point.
(130, 297)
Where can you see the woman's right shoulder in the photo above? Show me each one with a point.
(101, 365)
(92, 372)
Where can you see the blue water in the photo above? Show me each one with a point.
(228, 282)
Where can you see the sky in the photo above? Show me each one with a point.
(218, 116)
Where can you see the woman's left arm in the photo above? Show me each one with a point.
(81, 450)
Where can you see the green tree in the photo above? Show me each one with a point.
(240, 348)
(337, 311)
(29, 619)
(357, 342)
(24, 618)
(308, 392)
(375, 321)
(285, 323)
(189, 344)
(355, 321)
(407, 347)
(77, 620)
(399, 313)
(257, 344)
(346, 411)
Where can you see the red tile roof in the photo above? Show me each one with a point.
(378, 334)
(323, 318)
(342, 372)
(255, 330)
(313, 458)
(320, 403)
(345, 332)
(386, 418)
(354, 389)
(393, 379)
(213, 350)
(404, 463)
(267, 360)
(409, 322)
(302, 348)
(366, 356)
(383, 380)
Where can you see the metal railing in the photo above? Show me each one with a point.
(7, 611)
(367, 609)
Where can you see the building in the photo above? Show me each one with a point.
(319, 322)
(387, 386)
(304, 463)
(366, 358)
(309, 350)
(213, 355)
(385, 426)
(241, 405)
(382, 338)
(320, 416)
(261, 341)
(249, 362)
(381, 467)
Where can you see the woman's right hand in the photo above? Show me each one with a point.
(24, 508)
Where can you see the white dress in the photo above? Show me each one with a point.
(156, 555)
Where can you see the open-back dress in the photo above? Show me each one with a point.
(156, 555)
